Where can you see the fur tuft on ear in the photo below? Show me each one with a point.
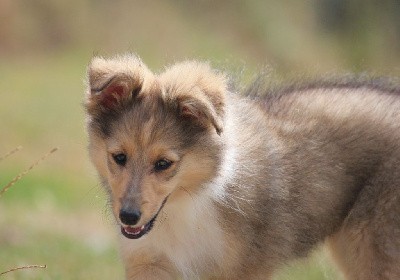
(112, 82)
(199, 92)
(200, 111)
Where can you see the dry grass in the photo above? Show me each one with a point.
(23, 267)
(20, 175)
(10, 153)
(9, 185)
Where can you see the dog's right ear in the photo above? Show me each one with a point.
(113, 82)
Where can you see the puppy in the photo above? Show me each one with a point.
(207, 183)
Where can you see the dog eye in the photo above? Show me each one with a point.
(119, 159)
(162, 164)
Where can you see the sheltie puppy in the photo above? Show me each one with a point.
(209, 183)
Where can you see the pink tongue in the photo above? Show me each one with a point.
(132, 230)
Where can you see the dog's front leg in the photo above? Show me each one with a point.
(149, 272)
(142, 267)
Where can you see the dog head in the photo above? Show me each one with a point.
(153, 138)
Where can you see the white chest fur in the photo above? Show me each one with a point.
(187, 233)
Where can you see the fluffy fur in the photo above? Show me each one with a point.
(253, 181)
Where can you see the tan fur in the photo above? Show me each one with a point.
(255, 181)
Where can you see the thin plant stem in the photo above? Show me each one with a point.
(10, 153)
(23, 267)
(20, 175)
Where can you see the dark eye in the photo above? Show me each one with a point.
(119, 159)
(162, 164)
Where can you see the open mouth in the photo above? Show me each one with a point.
(137, 232)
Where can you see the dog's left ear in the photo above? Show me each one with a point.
(198, 91)
(201, 111)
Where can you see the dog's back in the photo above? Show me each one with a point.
(325, 163)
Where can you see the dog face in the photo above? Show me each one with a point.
(153, 139)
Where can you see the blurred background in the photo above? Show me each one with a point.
(57, 215)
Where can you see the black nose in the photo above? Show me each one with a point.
(129, 217)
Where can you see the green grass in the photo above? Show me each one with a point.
(67, 254)
(55, 215)
(54, 219)
(316, 267)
